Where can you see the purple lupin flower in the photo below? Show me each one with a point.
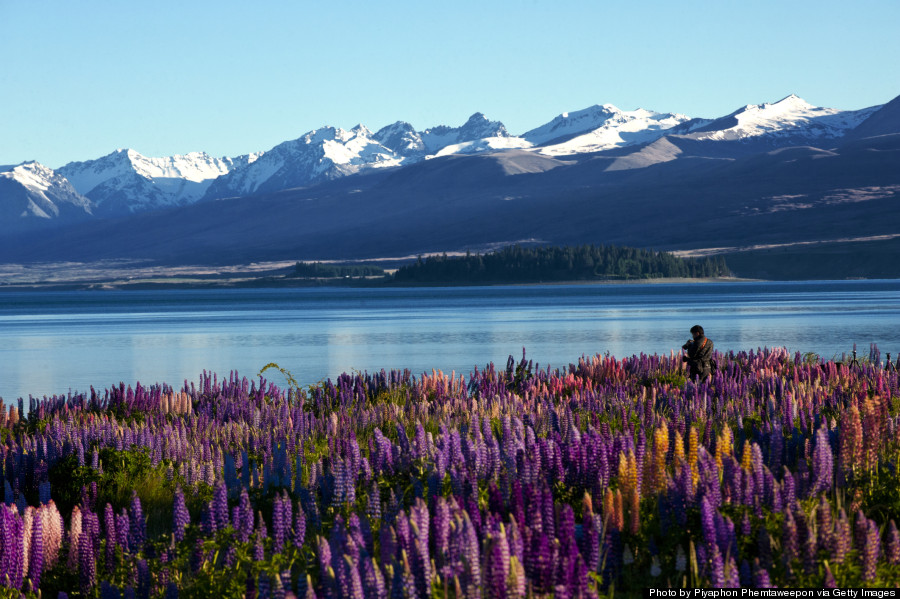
(497, 567)
(824, 524)
(372, 580)
(707, 522)
(746, 527)
(441, 530)
(373, 502)
(36, 561)
(823, 462)
(892, 546)
(259, 552)
(716, 567)
(354, 587)
(244, 528)
(287, 515)
(138, 526)
(732, 575)
(263, 587)
(746, 575)
(388, 544)
(208, 520)
(860, 531)
(299, 536)
(871, 552)
(87, 566)
(789, 541)
(144, 581)
(840, 540)
(109, 525)
(540, 566)
(761, 578)
(220, 507)
(123, 525)
(278, 526)
(181, 518)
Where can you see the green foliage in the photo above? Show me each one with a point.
(516, 264)
(122, 473)
(674, 379)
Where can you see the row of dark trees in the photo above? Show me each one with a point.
(517, 264)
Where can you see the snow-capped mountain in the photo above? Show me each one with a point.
(322, 154)
(32, 191)
(601, 128)
(402, 139)
(789, 119)
(126, 181)
(477, 127)
(330, 152)
(477, 131)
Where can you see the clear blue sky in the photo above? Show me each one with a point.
(79, 79)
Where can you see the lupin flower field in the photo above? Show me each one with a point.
(595, 480)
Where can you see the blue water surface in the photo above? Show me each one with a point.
(54, 342)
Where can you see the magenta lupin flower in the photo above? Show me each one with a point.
(36, 561)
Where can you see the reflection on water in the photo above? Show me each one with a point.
(53, 342)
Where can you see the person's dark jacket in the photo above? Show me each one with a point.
(699, 357)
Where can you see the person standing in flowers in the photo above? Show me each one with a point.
(699, 353)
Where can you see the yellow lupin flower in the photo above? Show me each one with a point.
(679, 448)
(660, 449)
(619, 510)
(723, 447)
(693, 455)
(747, 458)
(609, 508)
(632, 474)
(623, 472)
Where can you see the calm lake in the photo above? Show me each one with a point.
(53, 342)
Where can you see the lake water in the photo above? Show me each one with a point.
(53, 342)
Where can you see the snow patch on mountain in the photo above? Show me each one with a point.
(33, 190)
(788, 118)
(331, 152)
(487, 144)
(599, 128)
(322, 154)
(128, 181)
(476, 127)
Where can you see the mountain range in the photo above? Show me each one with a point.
(383, 193)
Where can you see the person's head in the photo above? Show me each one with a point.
(697, 331)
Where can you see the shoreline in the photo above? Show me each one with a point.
(170, 283)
